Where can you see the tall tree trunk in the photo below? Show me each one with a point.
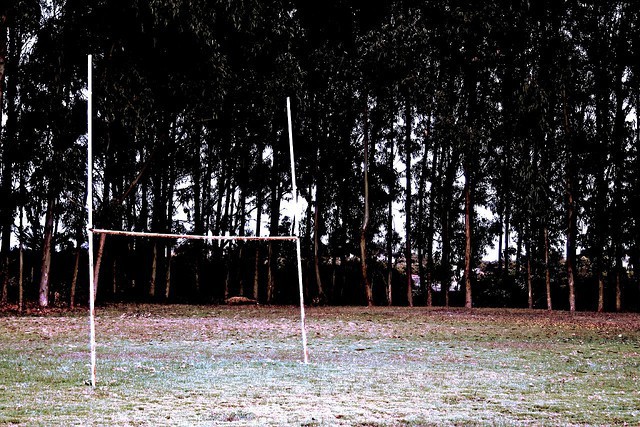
(98, 263)
(571, 209)
(43, 298)
(507, 239)
(445, 217)
(619, 167)
(74, 279)
(114, 277)
(421, 214)
(200, 198)
(547, 269)
(308, 240)
(600, 276)
(256, 268)
(601, 183)
(171, 184)
(21, 261)
(366, 280)
(431, 224)
(527, 246)
(408, 121)
(4, 21)
(154, 272)
(242, 219)
(274, 221)
(391, 185)
(389, 290)
(270, 276)
(167, 277)
(316, 245)
(468, 218)
(7, 136)
(500, 232)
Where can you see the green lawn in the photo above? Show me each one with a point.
(242, 366)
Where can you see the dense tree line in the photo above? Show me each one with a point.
(425, 132)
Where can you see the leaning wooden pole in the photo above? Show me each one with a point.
(296, 232)
(92, 312)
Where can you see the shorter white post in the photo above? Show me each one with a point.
(296, 220)
(92, 323)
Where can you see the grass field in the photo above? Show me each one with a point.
(242, 366)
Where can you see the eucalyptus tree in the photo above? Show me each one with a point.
(633, 225)
(55, 110)
(574, 104)
(19, 21)
(600, 25)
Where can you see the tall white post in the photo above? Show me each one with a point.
(92, 324)
(296, 232)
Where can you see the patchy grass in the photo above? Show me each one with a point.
(241, 366)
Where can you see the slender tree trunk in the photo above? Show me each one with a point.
(222, 185)
(43, 299)
(547, 269)
(619, 165)
(5, 280)
(501, 222)
(571, 224)
(390, 253)
(198, 217)
(571, 210)
(468, 218)
(274, 221)
(431, 224)
(114, 277)
(518, 268)
(74, 279)
(600, 276)
(256, 268)
(334, 275)
(421, 214)
(270, 278)
(154, 272)
(3, 51)
(308, 240)
(529, 275)
(366, 281)
(316, 245)
(505, 214)
(98, 263)
(391, 186)
(446, 207)
(619, 270)
(21, 261)
(507, 238)
(241, 244)
(407, 148)
(7, 209)
(167, 277)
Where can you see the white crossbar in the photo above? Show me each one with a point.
(188, 236)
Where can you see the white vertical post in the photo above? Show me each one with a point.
(92, 325)
(296, 232)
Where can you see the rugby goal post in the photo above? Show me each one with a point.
(295, 237)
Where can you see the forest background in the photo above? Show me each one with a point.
(421, 114)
